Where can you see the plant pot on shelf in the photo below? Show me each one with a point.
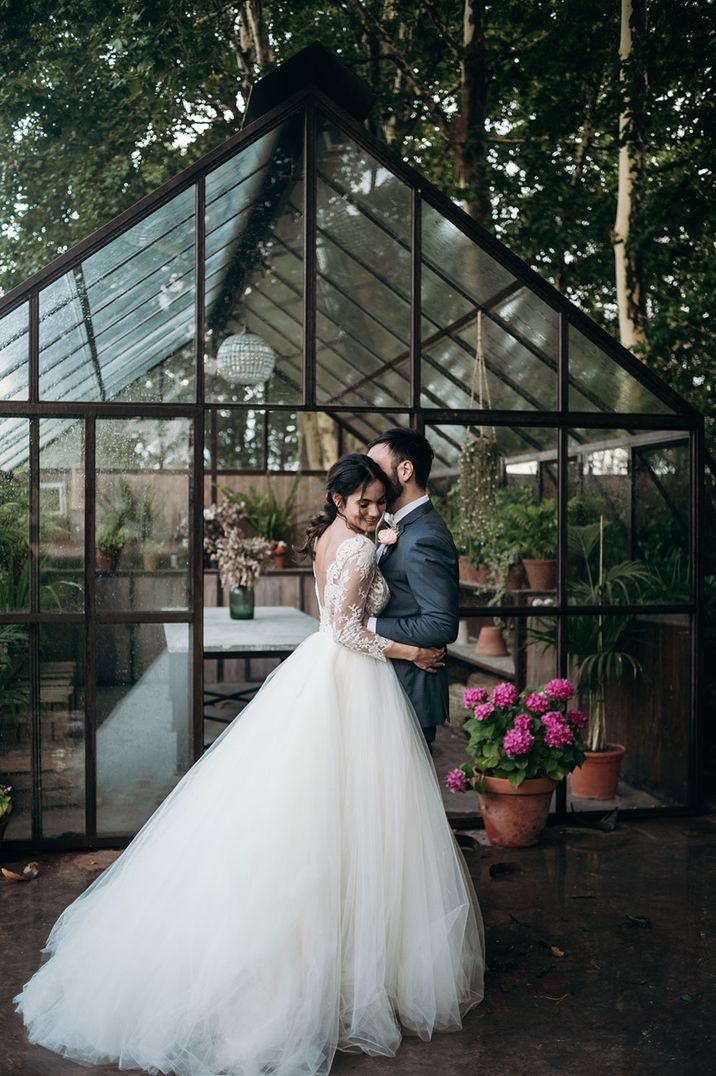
(515, 817)
(469, 574)
(150, 561)
(107, 560)
(279, 561)
(598, 778)
(541, 574)
(241, 603)
(514, 580)
(490, 642)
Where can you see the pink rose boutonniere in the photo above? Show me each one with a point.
(389, 533)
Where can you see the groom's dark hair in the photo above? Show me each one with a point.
(406, 444)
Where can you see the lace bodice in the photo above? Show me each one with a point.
(353, 587)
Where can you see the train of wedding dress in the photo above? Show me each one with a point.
(299, 891)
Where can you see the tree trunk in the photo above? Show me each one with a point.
(627, 261)
(469, 142)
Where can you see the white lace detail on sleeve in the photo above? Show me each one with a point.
(353, 585)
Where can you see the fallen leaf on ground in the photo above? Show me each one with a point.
(29, 871)
(555, 951)
(638, 920)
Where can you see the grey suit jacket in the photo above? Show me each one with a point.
(422, 572)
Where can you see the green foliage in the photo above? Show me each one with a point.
(13, 662)
(264, 512)
(111, 539)
(535, 525)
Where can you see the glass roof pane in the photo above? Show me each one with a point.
(477, 317)
(123, 312)
(14, 354)
(598, 383)
(363, 277)
(254, 263)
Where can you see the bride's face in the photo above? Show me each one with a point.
(364, 508)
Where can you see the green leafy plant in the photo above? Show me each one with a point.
(5, 800)
(598, 646)
(15, 587)
(269, 517)
(534, 524)
(111, 539)
(13, 650)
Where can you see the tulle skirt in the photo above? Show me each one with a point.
(299, 891)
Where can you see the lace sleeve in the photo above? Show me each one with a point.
(351, 583)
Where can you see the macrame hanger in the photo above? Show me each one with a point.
(480, 385)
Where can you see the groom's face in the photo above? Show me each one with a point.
(386, 461)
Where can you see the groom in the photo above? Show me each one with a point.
(420, 569)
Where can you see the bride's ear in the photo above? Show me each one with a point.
(338, 500)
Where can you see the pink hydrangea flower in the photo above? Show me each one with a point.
(558, 733)
(456, 781)
(537, 702)
(559, 690)
(517, 741)
(577, 718)
(483, 711)
(523, 721)
(473, 696)
(504, 695)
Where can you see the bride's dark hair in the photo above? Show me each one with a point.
(351, 472)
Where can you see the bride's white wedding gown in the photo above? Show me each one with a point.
(299, 890)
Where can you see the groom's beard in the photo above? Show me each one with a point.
(396, 487)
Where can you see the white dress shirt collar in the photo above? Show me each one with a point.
(408, 508)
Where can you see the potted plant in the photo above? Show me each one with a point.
(109, 543)
(5, 808)
(150, 554)
(268, 517)
(599, 650)
(536, 524)
(278, 555)
(240, 559)
(522, 744)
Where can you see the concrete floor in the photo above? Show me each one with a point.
(633, 911)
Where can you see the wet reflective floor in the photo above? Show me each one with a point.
(601, 954)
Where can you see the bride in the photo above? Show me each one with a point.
(300, 890)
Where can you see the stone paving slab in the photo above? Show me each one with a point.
(633, 911)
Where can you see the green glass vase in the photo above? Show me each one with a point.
(241, 603)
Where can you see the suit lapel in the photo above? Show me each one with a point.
(406, 521)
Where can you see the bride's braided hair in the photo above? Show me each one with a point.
(351, 472)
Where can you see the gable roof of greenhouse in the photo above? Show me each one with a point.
(353, 267)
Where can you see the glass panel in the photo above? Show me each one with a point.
(143, 720)
(497, 490)
(239, 440)
(598, 383)
(254, 268)
(486, 339)
(14, 354)
(628, 517)
(363, 283)
(646, 709)
(62, 514)
(143, 470)
(121, 324)
(62, 665)
(14, 515)
(15, 726)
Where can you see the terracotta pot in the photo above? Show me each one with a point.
(515, 578)
(515, 817)
(541, 574)
(597, 779)
(106, 561)
(150, 561)
(490, 643)
(469, 574)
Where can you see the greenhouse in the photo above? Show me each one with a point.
(283, 300)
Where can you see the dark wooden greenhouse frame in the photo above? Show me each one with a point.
(312, 102)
